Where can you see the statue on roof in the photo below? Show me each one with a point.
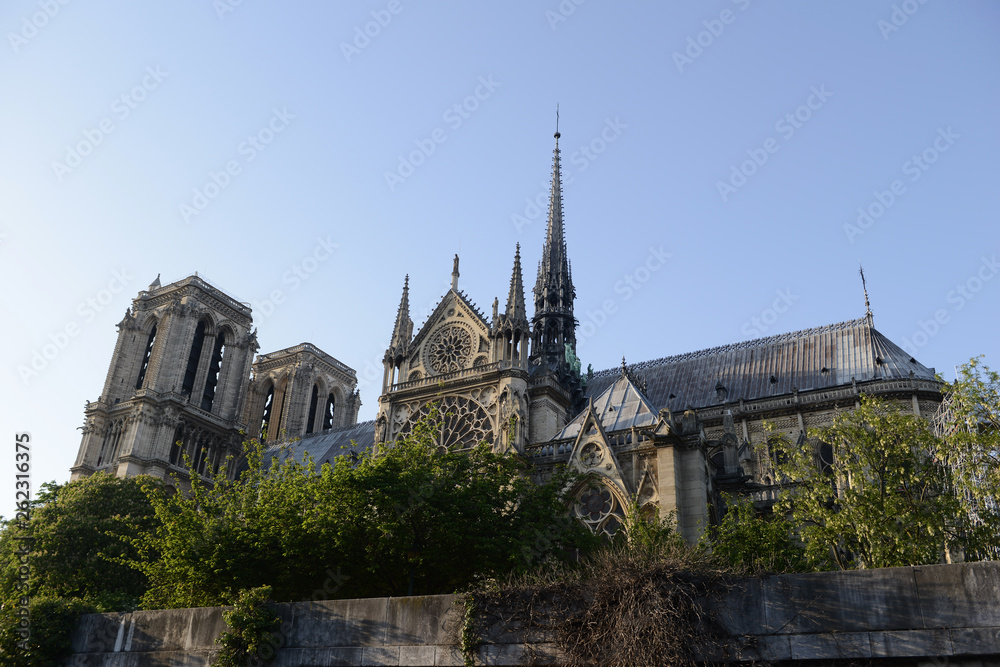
(572, 359)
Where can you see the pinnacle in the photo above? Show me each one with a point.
(515, 309)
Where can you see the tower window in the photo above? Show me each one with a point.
(312, 409)
(193, 357)
(176, 446)
(214, 370)
(265, 421)
(331, 404)
(145, 358)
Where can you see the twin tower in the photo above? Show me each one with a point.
(183, 378)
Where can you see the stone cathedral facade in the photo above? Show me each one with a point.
(672, 433)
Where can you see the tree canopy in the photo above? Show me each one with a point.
(871, 490)
(403, 518)
(969, 427)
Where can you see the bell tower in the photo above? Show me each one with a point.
(179, 373)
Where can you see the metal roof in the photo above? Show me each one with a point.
(819, 358)
(326, 446)
(621, 406)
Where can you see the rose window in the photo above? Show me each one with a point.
(449, 349)
(599, 510)
(463, 423)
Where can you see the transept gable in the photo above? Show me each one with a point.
(592, 454)
(454, 337)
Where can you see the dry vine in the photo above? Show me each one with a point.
(621, 607)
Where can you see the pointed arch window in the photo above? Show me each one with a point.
(265, 420)
(145, 358)
(313, 400)
(214, 370)
(331, 406)
(177, 446)
(193, 358)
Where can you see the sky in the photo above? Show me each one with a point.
(727, 165)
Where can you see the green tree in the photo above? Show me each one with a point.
(77, 544)
(75, 554)
(969, 425)
(404, 518)
(757, 543)
(884, 499)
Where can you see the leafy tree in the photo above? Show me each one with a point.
(748, 541)
(969, 425)
(53, 622)
(77, 543)
(884, 499)
(406, 518)
(74, 554)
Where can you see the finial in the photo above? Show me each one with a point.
(624, 368)
(557, 135)
(454, 274)
(864, 286)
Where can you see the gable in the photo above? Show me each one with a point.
(453, 338)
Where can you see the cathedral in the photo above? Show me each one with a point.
(671, 434)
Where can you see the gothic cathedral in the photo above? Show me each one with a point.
(671, 434)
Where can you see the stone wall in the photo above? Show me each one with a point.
(918, 615)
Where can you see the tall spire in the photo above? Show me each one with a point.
(554, 283)
(553, 324)
(516, 310)
(402, 333)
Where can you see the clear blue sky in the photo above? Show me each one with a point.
(738, 137)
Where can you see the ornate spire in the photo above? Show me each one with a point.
(553, 324)
(515, 310)
(402, 333)
(553, 269)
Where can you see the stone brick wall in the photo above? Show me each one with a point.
(939, 614)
